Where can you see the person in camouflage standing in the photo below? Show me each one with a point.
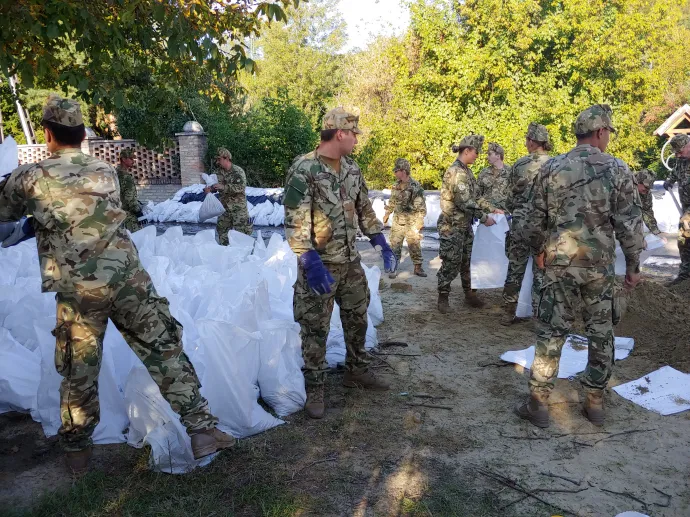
(87, 258)
(681, 174)
(408, 204)
(492, 182)
(519, 184)
(580, 200)
(645, 183)
(232, 182)
(459, 206)
(326, 200)
(128, 190)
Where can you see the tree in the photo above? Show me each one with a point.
(102, 48)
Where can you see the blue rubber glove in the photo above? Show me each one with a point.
(23, 230)
(319, 278)
(390, 263)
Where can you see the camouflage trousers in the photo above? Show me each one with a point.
(131, 223)
(684, 245)
(455, 250)
(143, 318)
(236, 217)
(313, 313)
(400, 232)
(518, 258)
(563, 289)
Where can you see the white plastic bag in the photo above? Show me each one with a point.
(489, 264)
(210, 207)
(9, 156)
(524, 307)
(20, 371)
(210, 179)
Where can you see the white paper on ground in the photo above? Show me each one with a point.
(632, 514)
(661, 261)
(665, 391)
(573, 356)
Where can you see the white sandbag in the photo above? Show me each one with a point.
(489, 264)
(210, 179)
(47, 410)
(210, 207)
(20, 371)
(524, 307)
(9, 156)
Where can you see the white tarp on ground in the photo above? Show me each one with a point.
(573, 357)
(235, 304)
(665, 391)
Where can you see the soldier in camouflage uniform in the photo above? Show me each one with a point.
(681, 174)
(128, 190)
(232, 182)
(326, 200)
(459, 206)
(492, 182)
(408, 204)
(520, 182)
(87, 258)
(580, 200)
(645, 183)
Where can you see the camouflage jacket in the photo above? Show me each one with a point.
(493, 185)
(520, 182)
(129, 200)
(681, 174)
(648, 212)
(459, 202)
(407, 202)
(75, 203)
(323, 208)
(580, 200)
(232, 185)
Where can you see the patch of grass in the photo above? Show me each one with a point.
(454, 500)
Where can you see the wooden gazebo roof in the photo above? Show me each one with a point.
(678, 123)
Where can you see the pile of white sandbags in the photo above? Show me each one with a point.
(235, 304)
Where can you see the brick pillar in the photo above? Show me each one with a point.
(88, 144)
(193, 148)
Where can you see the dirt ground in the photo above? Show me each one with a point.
(389, 454)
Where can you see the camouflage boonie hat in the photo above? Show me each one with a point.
(496, 148)
(127, 152)
(65, 112)
(537, 132)
(645, 177)
(222, 152)
(338, 118)
(593, 118)
(401, 164)
(476, 141)
(679, 141)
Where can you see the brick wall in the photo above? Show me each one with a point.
(156, 193)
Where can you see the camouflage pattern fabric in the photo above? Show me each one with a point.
(401, 164)
(231, 187)
(537, 132)
(129, 199)
(455, 251)
(408, 204)
(684, 245)
(493, 185)
(75, 202)
(646, 178)
(678, 142)
(127, 152)
(593, 118)
(339, 118)
(563, 288)
(65, 112)
(313, 313)
(324, 208)
(476, 141)
(154, 335)
(681, 174)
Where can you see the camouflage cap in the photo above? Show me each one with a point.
(593, 118)
(537, 132)
(65, 112)
(645, 177)
(679, 141)
(476, 141)
(338, 118)
(222, 152)
(496, 148)
(127, 152)
(401, 164)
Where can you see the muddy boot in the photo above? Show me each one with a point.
(77, 462)
(473, 300)
(367, 380)
(394, 274)
(443, 305)
(535, 410)
(315, 405)
(509, 316)
(419, 271)
(593, 408)
(210, 441)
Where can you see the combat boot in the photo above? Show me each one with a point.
(210, 441)
(77, 462)
(593, 408)
(509, 316)
(394, 274)
(315, 405)
(473, 300)
(443, 305)
(367, 380)
(419, 271)
(535, 410)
